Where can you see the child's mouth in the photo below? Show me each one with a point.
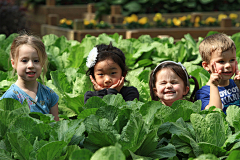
(31, 74)
(169, 92)
(227, 73)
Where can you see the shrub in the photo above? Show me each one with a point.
(12, 18)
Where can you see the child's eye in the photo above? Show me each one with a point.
(23, 60)
(232, 60)
(100, 74)
(174, 82)
(36, 60)
(221, 62)
(114, 72)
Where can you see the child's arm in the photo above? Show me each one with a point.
(54, 112)
(237, 76)
(215, 79)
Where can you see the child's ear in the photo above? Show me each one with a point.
(155, 91)
(206, 66)
(186, 91)
(13, 63)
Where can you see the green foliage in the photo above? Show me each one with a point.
(115, 128)
(111, 127)
(164, 6)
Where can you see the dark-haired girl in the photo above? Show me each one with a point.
(107, 71)
(169, 82)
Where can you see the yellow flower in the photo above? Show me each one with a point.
(93, 21)
(134, 18)
(157, 17)
(102, 22)
(197, 19)
(128, 19)
(237, 24)
(196, 24)
(169, 21)
(221, 16)
(233, 16)
(143, 20)
(189, 16)
(63, 20)
(210, 20)
(176, 22)
(184, 18)
(86, 22)
(69, 22)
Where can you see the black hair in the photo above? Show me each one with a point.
(109, 52)
(182, 73)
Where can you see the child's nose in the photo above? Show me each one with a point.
(169, 85)
(108, 79)
(227, 65)
(30, 64)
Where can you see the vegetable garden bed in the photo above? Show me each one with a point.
(78, 34)
(110, 128)
(176, 33)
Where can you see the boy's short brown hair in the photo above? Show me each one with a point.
(220, 42)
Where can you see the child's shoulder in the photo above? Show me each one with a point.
(45, 88)
(129, 88)
(12, 92)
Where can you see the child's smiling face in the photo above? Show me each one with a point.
(169, 86)
(107, 73)
(27, 64)
(224, 61)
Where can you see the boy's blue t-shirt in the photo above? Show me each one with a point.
(46, 98)
(229, 95)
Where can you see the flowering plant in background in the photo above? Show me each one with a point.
(197, 22)
(234, 17)
(186, 21)
(66, 23)
(210, 21)
(131, 22)
(221, 16)
(143, 22)
(176, 22)
(183, 21)
(89, 24)
(170, 22)
(159, 20)
(103, 25)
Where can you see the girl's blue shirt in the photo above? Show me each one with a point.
(45, 99)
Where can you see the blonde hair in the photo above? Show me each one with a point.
(216, 42)
(34, 42)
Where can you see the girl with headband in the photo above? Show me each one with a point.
(107, 71)
(169, 82)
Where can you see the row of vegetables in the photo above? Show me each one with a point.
(111, 128)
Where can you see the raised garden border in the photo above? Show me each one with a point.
(176, 33)
(78, 35)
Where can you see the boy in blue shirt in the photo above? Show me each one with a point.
(218, 53)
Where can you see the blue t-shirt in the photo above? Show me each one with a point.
(229, 95)
(45, 99)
